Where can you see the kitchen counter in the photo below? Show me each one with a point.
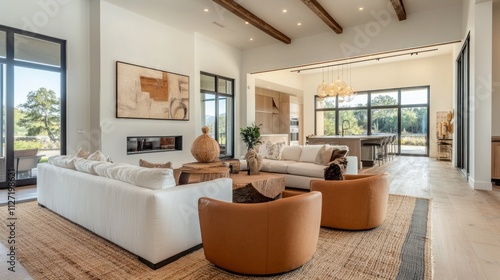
(352, 141)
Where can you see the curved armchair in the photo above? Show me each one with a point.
(359, 202)
(260, 238)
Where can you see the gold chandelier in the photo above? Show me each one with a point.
(343, 90)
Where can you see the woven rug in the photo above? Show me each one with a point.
(51, 247)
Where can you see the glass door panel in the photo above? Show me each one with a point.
(225, 125)
(37, 119)
(325, 123)
(414, 131)
(353, 122)
(208, 107)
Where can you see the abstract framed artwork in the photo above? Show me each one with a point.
(147, 93)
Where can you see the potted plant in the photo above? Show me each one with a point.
(251, 135)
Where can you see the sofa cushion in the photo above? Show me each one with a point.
(62, 161)
(324, 155)
(151, 178)
(306, 169)
(275, 166)
(291, 153)
(309, 153)
(87, 166)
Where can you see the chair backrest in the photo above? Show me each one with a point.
(25, 153)
(27, 163)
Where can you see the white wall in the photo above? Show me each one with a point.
(132, 38)
(496, 70)
(435, 72)
(47, 18)
(479, 22)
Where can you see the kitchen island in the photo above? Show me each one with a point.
(354, 142)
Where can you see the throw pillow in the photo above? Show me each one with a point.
(82, 154)
(324, 155)
(274, 150)
(144, 163)
(337, 153)
(334, 171)
(97, 156)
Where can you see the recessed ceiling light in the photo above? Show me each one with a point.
(284, 10)
(299, 24)
(246, 22)
(205, 10)
(251, 39)
(361, 8)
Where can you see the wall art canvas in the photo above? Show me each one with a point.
(147, 93)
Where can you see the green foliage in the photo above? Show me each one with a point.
(41, 114)
(25, 145)
(251, 135)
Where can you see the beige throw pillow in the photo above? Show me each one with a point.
(144, 163)
(97, 156)
(82, 154)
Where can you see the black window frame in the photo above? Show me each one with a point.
(218, 94)
(369, 108)
(10, 64)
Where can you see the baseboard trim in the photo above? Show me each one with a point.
(480, 185)
(171, 259)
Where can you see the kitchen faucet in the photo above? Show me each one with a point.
(345, 128)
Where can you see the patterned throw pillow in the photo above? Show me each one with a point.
(144, 163)
(274, 150)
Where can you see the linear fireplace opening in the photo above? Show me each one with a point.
(153, 144)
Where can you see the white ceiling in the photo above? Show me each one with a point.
(189, 16)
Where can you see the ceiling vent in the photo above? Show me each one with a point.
(219, 24)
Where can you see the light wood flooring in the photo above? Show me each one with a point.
(465, 222)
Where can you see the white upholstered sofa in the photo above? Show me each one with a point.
(139, 209)
(301, 164)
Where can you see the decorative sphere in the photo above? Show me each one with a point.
(205, 148)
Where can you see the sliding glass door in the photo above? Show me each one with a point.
(33, 82)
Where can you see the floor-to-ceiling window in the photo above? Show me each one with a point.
(403, 112)
(32, 90)
(217, 103)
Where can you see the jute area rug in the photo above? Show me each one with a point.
(51, 247)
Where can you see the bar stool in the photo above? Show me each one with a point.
(376, 145)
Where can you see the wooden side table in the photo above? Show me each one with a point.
(189, 175)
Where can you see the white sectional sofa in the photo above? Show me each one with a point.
(301, 164)
(139, 209)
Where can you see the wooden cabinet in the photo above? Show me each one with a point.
(495, 158)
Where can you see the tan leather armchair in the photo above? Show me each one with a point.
(260, 238)
(359, 202)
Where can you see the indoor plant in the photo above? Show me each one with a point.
(251, 135)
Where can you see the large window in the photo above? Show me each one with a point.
(32, 91)
(217, 103)
(404, 112)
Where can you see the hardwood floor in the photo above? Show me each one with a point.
(465, 222)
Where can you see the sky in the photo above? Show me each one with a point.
(27, 80)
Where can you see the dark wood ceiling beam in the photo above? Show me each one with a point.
(323, 15)
(254, 20)
(399, 8)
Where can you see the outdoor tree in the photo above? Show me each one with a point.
(41, 114)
